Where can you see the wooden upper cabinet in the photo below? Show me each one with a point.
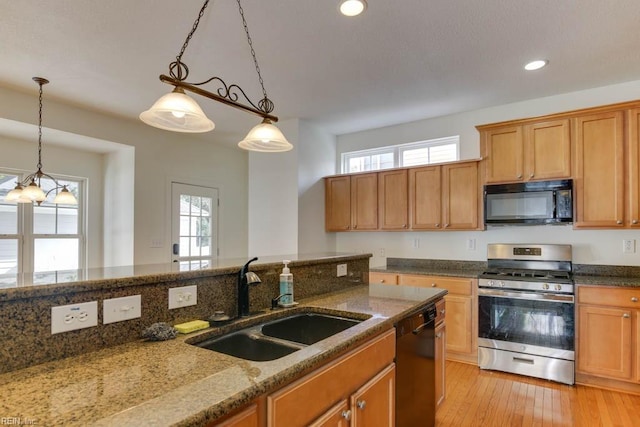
(337, 203)
(633, 167)
(460, 196)
(425, 200)
(599, 170)
(393, 199)
(503, 154)
(534, 151)
(364, 201)
(547, 151)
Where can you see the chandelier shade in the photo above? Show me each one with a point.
(179, 113)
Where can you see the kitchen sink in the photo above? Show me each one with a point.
(307, 328)
(248, 346)
(274, 339)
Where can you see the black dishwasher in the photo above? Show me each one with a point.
(416, 369)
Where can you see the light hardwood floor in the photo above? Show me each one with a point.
(476, 397)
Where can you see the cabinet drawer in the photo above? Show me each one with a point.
(609, 296)
(306, 399)
(454, 285)
(383, 278)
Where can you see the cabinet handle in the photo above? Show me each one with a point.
(532, 175)
(446, 225)
(361, 404)
(519, 176)
(442, 311)
(346, 415)
(626, 316)
(635, 221)
(618, 222)
(439, 335)
(634, 299)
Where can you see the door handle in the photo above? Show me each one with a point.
(176, 248)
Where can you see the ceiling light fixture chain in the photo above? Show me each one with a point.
(181, 67)
(40, 83)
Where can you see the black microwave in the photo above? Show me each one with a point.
(529, 203)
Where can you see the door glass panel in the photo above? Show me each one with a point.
(194, 221)
(8, 256)
(55, 254)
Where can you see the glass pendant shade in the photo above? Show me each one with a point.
(14, 195)
(352, 7)
(65, 197)
(177, 112)
(33, 192)
(265, 137)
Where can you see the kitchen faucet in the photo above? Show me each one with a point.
(245, 278)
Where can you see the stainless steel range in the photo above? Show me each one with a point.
(526, 311)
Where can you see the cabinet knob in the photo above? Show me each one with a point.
(404, 225)
(437, 225)
(439, 335)
(347, 227)
(532, 175)
(355, 226)
(361, 404)
(346, 415)
(433, 285)
(382, 280)
(442, 311)
(519, 176)
(626, 315)
(634, 299)
(446, 225)
(635, 221)
(619, 221)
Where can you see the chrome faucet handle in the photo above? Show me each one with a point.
(252, 278)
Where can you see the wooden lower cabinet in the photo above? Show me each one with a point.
(440, 335)
(383, 278)
(365, 377)
(251, 416)
(461, 310)
(608, 346)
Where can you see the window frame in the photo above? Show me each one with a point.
(398, 151)
(26, 236)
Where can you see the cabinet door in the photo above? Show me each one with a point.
(599, 166)
(440, 362)
(374, 403)
(338, 203)
(459, 332)
(604, 344)
(246, 418)
(633, 164)
(393, 206)
(504, 154)
(364, 201)
(547, 150)
(338, 416)
(425, 198)
(460, 196)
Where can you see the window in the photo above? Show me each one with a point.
(413, 154)
(46, 239)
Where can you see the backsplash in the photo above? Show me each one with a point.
(25, 334)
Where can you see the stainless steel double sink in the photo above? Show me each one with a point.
(277, 338)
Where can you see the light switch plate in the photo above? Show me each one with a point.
(119, 309)
(183, 296)
(65, 318)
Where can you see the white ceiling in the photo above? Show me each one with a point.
(400, 61)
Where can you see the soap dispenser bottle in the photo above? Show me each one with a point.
(286, 286)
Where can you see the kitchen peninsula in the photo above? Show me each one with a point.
(173, 382)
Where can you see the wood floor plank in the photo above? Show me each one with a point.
(476, 397)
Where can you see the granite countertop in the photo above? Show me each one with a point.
(623, 281)
(173, 383)
(429, 271)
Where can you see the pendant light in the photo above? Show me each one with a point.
(178, 112)
(29, 190)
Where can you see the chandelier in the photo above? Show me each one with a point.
(178, 112)
(30, 190)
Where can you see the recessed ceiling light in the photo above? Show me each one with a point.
(536, 65)
(352, 7)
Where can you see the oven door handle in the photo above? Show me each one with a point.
(526, 295)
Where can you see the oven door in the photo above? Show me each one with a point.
(526, 322)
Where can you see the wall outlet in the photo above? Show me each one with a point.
(381, 253)
(183, 297)
(629, 246)
(65, 318)
(119, 309)
(341, 270)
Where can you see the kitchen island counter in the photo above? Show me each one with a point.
(173, 383)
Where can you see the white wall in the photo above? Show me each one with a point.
(590, 247)
(159, 155)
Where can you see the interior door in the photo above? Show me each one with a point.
(194, 225)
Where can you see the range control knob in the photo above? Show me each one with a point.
(545, 286)
(501, 284)
(490, 283)
(558, 287)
